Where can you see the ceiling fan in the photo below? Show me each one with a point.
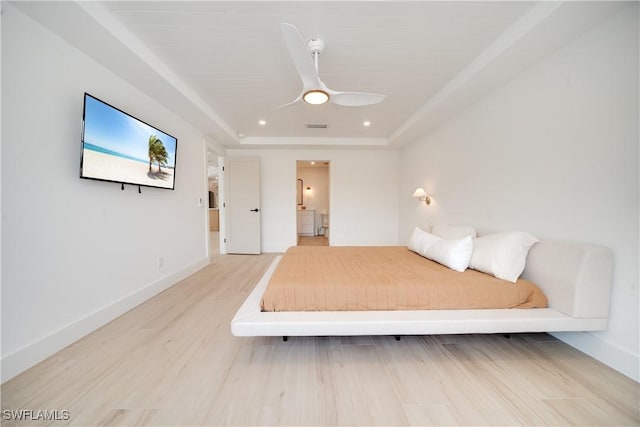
(314, 91)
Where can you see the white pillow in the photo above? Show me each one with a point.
(421, 241)
(502, 255)
(454, 254)
(453, 231)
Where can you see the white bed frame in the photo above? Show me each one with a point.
(576, 279)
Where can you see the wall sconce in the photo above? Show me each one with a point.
(308, 188)
(422, 196)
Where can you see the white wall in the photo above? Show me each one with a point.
(553, 152)
(77, 253)
(363, 195)
(318, 197)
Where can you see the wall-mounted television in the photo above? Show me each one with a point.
(117, 147)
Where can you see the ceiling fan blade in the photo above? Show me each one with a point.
(301, 56)
(289, 103)
(355, 99)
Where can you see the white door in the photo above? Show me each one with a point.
(242, 205)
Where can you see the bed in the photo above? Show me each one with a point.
(576, 279)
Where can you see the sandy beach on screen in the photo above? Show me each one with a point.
(113, 168)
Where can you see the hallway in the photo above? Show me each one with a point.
(214, 243)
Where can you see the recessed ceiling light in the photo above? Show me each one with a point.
(262, 122)
(366, 123)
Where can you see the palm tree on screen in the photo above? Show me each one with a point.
(161, 155)
(153, 149)
(157, 153)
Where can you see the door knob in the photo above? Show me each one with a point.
(254, 210)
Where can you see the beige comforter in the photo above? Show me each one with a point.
(312, 278)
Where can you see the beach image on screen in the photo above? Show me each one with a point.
(120, 148)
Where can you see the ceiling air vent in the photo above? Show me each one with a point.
(316, 126)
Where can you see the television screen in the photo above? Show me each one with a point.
(118, 147)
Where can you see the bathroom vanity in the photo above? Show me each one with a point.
(306, 221)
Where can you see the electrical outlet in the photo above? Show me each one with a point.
(160, 262)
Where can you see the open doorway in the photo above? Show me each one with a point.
(313, 220)
(213, 203)
(214, 199)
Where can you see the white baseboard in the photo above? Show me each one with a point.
(28, 356)
(611, 355)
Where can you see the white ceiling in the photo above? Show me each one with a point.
(224, 65)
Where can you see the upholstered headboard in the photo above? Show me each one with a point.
(576, 278)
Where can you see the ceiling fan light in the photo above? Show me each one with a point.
(315, 97)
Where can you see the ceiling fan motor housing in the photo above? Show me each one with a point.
(316, 45)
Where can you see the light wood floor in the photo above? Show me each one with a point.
(173, 361)
(313, 241)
